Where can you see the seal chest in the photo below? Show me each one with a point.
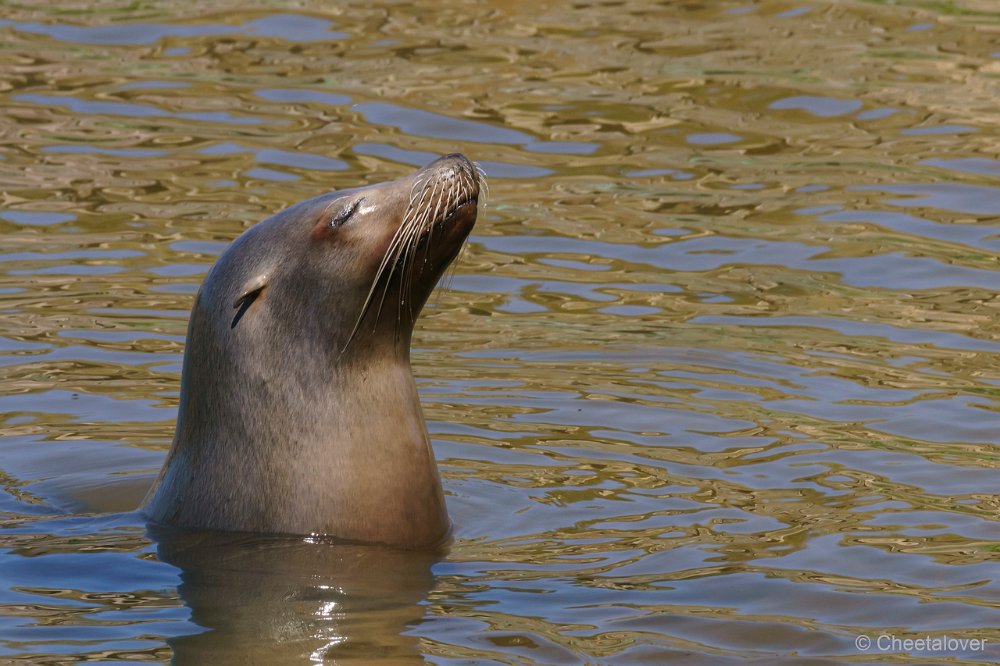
(298, 410)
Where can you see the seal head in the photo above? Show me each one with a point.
(298, 410)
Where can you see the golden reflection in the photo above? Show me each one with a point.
(716, 378)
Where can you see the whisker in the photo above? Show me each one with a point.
(391, 252)
(417, 184)
(484, 183)
(392, 255)
(402, 261)
(409, 260)
(432, 197)
(397, 254)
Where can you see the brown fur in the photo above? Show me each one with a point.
(290, 420)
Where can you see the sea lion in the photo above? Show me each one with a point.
(298, 409)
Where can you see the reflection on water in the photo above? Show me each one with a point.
(717, 378)
(274, 600)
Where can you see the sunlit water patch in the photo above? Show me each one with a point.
(717, 377)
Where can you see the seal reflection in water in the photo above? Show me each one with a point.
(298, 411)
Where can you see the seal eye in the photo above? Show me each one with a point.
(345, 213)
(324, 227)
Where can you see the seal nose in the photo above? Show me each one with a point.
(457, 160)
(457, 167)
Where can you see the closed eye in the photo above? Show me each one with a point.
(345, 213)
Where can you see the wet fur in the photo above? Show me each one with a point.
(302, 416)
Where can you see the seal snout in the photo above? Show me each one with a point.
(442, 192)
(457, 172)
(436, 219)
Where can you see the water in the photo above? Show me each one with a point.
(716, 379)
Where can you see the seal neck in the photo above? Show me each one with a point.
(336, 449)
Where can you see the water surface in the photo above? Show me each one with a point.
(717, 378)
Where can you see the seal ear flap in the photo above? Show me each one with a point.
(249, 294)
